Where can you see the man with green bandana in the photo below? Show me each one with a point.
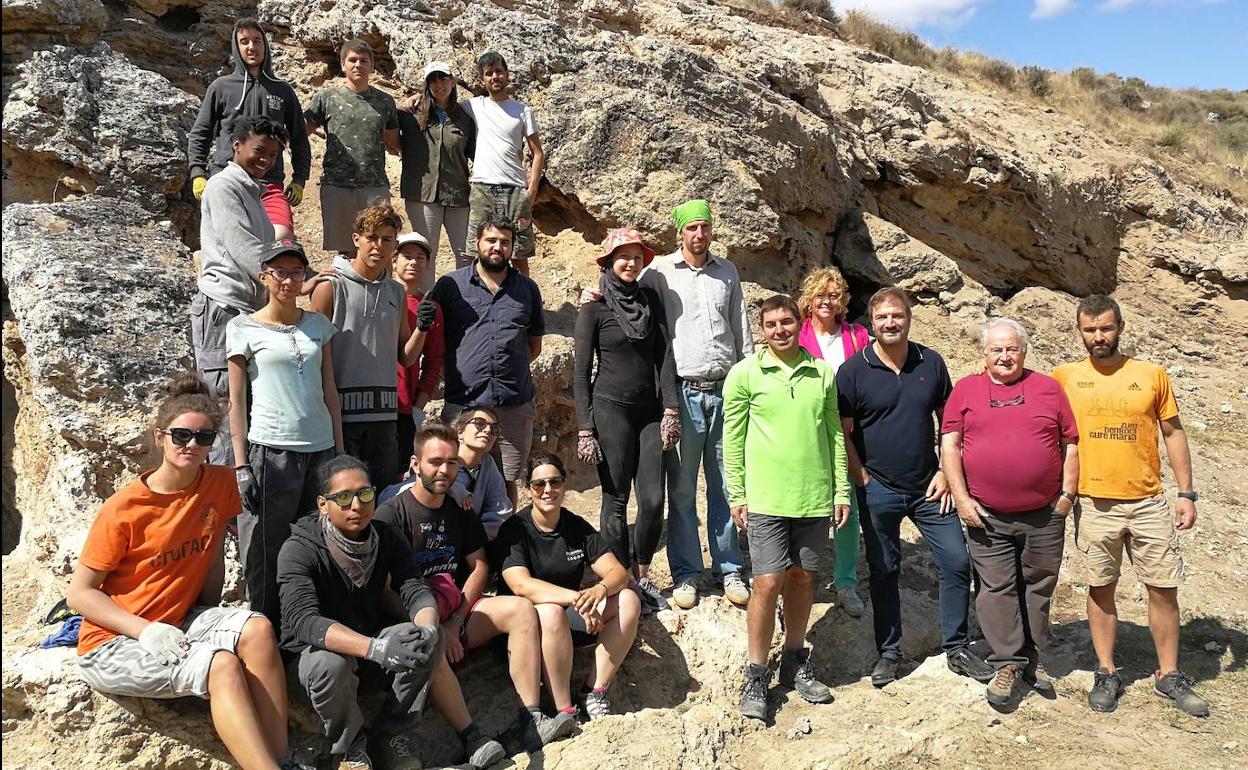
(705, 310)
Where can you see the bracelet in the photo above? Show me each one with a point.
(242, 467)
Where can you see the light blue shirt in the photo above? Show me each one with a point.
(284, 375)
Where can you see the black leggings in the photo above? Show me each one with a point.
(633, 455)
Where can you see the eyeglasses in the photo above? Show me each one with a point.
(343, 499)
(285, 275)
(483, 425)
(183, 436)
(554, 482)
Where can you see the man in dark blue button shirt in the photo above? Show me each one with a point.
(888, 394)
(494, 326)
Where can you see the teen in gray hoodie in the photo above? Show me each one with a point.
(233, 232)
(251, 89)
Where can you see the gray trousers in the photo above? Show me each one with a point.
(208, 321)
(332, 682)
(1017, 558)
(284, 489)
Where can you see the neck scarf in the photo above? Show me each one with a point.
(627, 302)
(356, 557)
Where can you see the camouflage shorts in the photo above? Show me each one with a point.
(505, 202)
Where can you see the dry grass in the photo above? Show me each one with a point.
(1174, 127)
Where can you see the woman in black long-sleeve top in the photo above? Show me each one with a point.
(626, 410)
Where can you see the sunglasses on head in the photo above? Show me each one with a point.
(554, 482)
(183, 436)
(343, 499)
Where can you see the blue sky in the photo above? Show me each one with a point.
(1176, 43)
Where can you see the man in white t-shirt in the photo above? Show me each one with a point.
(500, 185)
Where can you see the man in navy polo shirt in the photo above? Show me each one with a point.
(493, 329)
(887, 395)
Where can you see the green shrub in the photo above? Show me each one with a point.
(1233, 137)
(999, 72)
(1121, 96)
(1085, 78)
(820, 8)
(1174, 137)
(949, 59)
(905, 47)
(1037, 80)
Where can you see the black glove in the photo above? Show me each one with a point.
(426, 312)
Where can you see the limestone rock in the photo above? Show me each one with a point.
(110, 127)
(73, 21)
(96, 331)
(878, 252)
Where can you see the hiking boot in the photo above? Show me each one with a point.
(850, 602)
(736, 590)
(797, 673)
(1001, 688)
(540, 730)
(357, 757)
(1177, 686)
(967, 663)
(596, 705)
(482, 750)
(685, 594)
(651, 600)
(395, 752)
(1106, 690)
(884, 673)
(754, 692)
(1035, 675)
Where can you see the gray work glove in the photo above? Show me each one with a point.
(164, 642)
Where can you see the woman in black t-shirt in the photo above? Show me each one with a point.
(543, 552)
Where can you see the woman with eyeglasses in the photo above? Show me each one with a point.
(827, 334)
(148, 583)
(543, 552)
(284, 416)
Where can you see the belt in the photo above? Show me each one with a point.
(703, 385)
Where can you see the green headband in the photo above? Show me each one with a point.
(691, 211)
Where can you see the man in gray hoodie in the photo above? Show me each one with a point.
(251, 89)
(233, 231)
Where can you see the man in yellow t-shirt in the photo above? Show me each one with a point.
(1119, 402)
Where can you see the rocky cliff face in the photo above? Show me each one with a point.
(812, 152)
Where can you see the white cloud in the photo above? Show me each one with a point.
(1121, 5)
(1047, 9)
(913, 13)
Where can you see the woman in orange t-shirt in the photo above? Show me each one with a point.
(149, 580)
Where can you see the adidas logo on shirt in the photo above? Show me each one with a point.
(1133, 386)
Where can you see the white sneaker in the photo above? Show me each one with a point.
(736, 590)
(685, 594)
(848, 598)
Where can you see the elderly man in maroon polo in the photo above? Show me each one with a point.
(1009, 454)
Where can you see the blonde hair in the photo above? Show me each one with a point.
(824, 280)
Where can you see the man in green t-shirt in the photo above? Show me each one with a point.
(788, 476)
(361, 124)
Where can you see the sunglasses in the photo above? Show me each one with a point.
(344, 498)
(554, 482)
(183, 436)
(482, 425)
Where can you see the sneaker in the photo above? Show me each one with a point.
(797, 673)
(356, 757)
(885, 672)
(754, 692)
(596, 705)
(541, 730)
(685, 594)
(1106, 690)
(394, 752)
(1177, 686)
(1001, 688)
(850, 602)
(482, 750)
(736, 590)
(967, 663)
(651, 600)
(1035, 675)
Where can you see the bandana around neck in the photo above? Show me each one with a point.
(356, 557)
(628, 302)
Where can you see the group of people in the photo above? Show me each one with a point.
(363, 570)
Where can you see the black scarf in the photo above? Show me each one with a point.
(628, 302)
(356, 557)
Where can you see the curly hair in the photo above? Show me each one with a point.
(380, 214)
(824, 280)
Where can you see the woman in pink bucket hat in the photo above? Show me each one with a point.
(625, 381)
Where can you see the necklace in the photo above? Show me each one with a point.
(289, 330)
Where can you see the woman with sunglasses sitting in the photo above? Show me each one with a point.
(543, 552)
(150, 577)
(284, 416)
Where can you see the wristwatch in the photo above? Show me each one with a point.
(1189, 496)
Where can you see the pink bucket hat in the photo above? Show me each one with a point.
(622, 236)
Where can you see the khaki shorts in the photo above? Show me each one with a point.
(339, 207)
(1103, 526)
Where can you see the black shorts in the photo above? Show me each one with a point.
(780, 542)
(581, 636)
